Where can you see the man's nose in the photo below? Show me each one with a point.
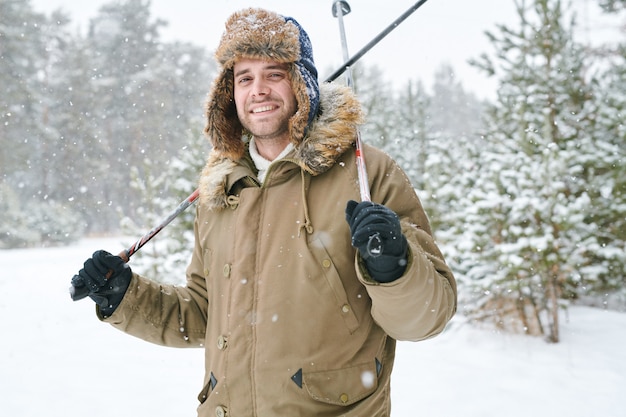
(260, 88)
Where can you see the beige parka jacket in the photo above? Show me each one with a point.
(291, 323)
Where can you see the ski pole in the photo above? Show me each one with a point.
(374, 41)
(374, 244)
(82, 292)
(341, 8)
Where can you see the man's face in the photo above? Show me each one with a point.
(264, 98)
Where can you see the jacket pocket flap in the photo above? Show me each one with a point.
(342, 386)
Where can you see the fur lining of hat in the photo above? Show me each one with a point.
(252, 34)
(331, 134)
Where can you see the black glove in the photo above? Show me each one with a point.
(106, 292)
(377, 235)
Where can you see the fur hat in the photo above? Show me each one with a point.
(260, 34)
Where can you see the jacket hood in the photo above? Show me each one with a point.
(331, 133)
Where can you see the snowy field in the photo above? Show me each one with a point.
(57, 359)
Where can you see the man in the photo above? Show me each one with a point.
(296, 316)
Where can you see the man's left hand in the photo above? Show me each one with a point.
(375, 227)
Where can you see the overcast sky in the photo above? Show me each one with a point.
(441, 31)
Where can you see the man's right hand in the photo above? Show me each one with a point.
(104, 278)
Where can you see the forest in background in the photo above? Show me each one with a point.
(101, 133)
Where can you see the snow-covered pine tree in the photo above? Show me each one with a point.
(129, 112)
(67, 148)
(14, 227)
(610, 168)
(185, 170)
(413, 135)
(530, 206)
(454, 110)
(31, 214)
(166, 256)
(21, 50)
(453, 121)
(376, 96)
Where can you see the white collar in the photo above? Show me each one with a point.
(263, 164)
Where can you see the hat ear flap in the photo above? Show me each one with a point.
(300, 119)
(223, 127)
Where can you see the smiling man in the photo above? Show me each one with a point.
(295, 316)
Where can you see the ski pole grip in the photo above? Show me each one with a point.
(82, 292)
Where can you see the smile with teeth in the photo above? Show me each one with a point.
(263, 109)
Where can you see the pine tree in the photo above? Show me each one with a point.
(14, 230)
(376, 96)
(68, 140)
(530, 206)
(453, 110)
(125, 42)
(610, 169)
(454, 118)
(413, 123)
(144, 96)
(80, 111)
(166, 256)
(22, 46)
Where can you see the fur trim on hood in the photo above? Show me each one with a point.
(330, 135)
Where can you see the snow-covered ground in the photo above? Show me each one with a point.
(57, 359)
